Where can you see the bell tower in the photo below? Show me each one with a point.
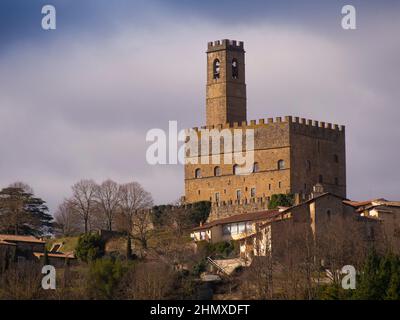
(226, 87)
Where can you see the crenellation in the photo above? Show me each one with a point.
(278, 119)
(288, 119)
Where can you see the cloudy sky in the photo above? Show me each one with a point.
(77, 102)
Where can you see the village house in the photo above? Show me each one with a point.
(232, 228)
(20, 248)
(388, 213)
(324, 219)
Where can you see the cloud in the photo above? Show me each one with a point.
(79, 105)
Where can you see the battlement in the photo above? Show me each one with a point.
(297, 121)
(224, 45)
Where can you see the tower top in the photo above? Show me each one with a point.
(225, 44)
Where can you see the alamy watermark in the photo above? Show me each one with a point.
(202, 146)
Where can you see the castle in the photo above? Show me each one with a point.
(291, 154)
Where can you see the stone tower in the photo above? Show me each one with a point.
(226, 87)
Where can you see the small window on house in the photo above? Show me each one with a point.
(308, 164)
(335, 158)
(226, 229)
(249, 226)
(235, 69)
(281, 164)
(217, 171)
(242, 227)
(256, 167)
(234, 228)
(253, 192)
(320, 178)
(371, 232)
(216, 69)
(197, 173)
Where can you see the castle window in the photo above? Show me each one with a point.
(279, 184)
(320, 178)
(217, 197)
(217, 171)
(269, 186)
(256, 167)
(197, 173)
(235, 69)
(238, 194)
(328, 213)
(216, 69)
(253, 192)
(336, 158)
(235, 169)
(281, 164)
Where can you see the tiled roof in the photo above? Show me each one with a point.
(251, 216)
(361, 203)
(14, 238)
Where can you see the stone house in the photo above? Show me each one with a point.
(320, 223)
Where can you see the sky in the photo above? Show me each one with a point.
(77, 102)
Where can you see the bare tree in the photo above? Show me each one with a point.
(66, 219)
(108, 199)
(83, 201)
(134, 214)
(132, 199)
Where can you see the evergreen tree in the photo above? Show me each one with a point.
(129, 248)
(22, 213)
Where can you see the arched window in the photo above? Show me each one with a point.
(217, 171)
(197, 173)
(335, 158)
(235, 69)
(216, 69)
(256, 167)
(281, 164)
(235, 169)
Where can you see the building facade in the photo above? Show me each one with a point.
(291, 154)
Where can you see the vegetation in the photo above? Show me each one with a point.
(90, 247)
(22, 213)
(281, 200)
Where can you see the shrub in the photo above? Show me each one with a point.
(89, 247)
(281, 200)
(104, 277)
